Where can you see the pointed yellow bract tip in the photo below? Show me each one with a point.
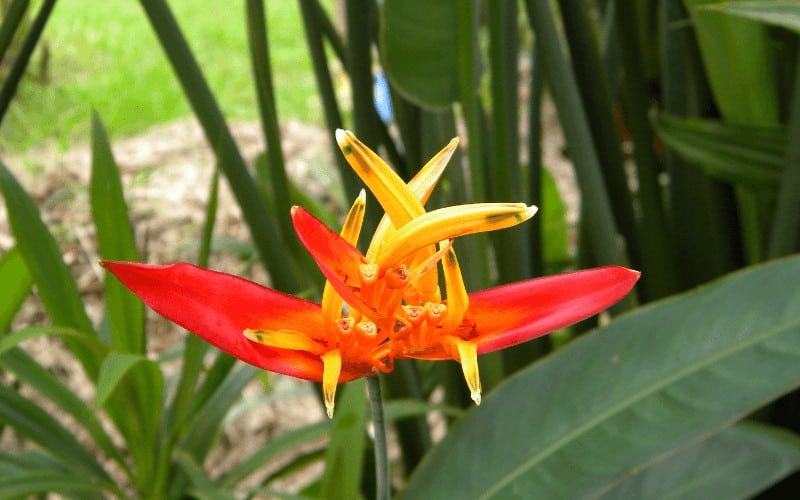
(331, 368)
(468, 356)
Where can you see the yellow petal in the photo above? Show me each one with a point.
(331, 301)
(353, 220)
(331, 368)
(450, 222)
(293, 341)
(457, 297)
(389, 189)
(422, 186)
(468, 356)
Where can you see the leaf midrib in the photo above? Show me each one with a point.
(627, 402)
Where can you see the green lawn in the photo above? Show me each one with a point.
(104, 56)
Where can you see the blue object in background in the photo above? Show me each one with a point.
(382, 98)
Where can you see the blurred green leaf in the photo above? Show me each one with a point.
(13, 339)
(738, 64)
(204, 488)
(669, 375)
(345, 455)
(27, 370)
(741, 155)
(113, 370)
(36, 424)
(738, 462)
(785, 13)
(397, 409)
(130, 387)
(554, 226)
(206, 426)
(115, 239)
(417, 40)
(13, 15)
(280, 444)
(47, 482)
(8, 88)
(54, 282)
(17, 283)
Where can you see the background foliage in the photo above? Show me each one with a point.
(679, 119)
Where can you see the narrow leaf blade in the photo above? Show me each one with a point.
(115, 239)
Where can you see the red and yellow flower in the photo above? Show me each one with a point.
(385, 304)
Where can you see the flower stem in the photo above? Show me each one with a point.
(382, 482)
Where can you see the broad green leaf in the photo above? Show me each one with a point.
(738, 64)
(17, 283)
(417, 43)
(785, 13)
(31, 421)
(54, 283)
(741, 155)
(738, 462)
(345, 455)
(647, 385)
(115, 239)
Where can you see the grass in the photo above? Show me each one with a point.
(104, 56)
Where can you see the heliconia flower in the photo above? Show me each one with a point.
(382, 305)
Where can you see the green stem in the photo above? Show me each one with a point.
(14, 76)
(383, 490)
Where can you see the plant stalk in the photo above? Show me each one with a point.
(383, 485)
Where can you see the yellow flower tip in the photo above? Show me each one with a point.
(468, 356)
(331, 369)
(344, 139)
(530, 212)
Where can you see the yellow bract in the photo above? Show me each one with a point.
(398, 308)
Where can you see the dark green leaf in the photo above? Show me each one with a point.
(55, 284)
(649, 384)
(27, 370)
(417, 40)
(397, 409)
(738, 462)
(741, 155)
(36, 424)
